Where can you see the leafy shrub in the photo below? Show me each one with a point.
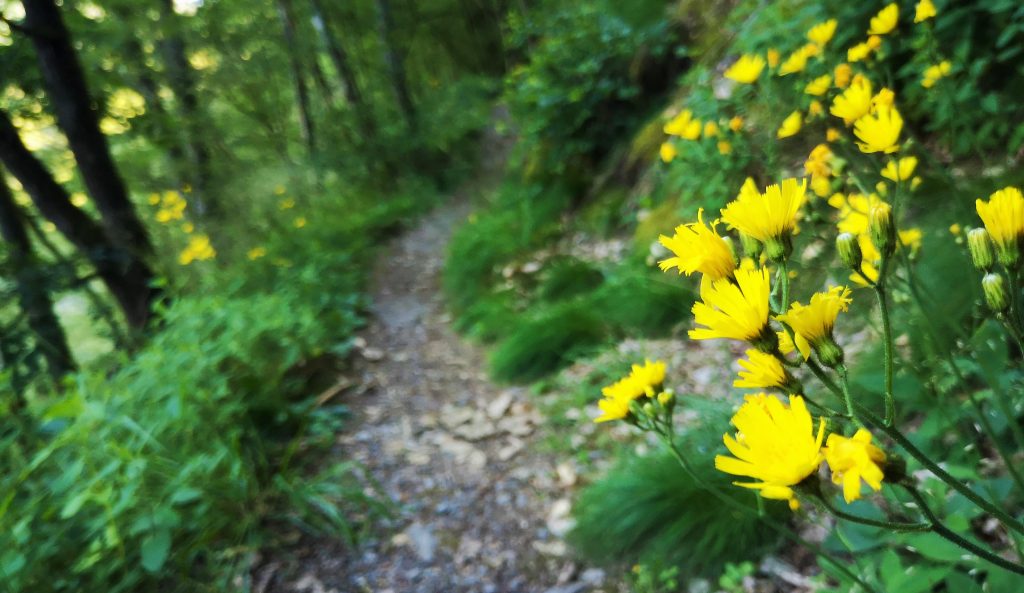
(547, 342)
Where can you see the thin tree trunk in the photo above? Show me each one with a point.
(284, 11)
(339, 57)
(77, 117)
(33, 293)
(183, 83)
(126, 275)
(395, 63)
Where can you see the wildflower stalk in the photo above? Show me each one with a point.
(851, 409)
(668, 437)
(893, 525)
(938, 527)
(883, 307)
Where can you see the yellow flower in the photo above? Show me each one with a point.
(198, 249)
(852, 460)
(256, 253)
(812, 324)
(736, 123)
(858, 52)
(879, 131)
(775, 444)
(299, 222)
(842, 74)
(698, 248)
(900, 170)
(855, 102)
(955, 229)
(797, 61)
(668, 152)
(819, 86)
(724, 147)
(1003, 216)
(761, 371)
(933, 74)
(286, 204)
(766, 217)
(773, 57)
(818, 162)
(884, 98)
(821, 186)
(188, 227)
(746, 69)
(924, 11)
(874, 42)
(640, 382)
(831, 135)
(684, 126)
(885, 21)
(279, 190)
(822, 33)
(710, 129)
(733, 310)
(154, 199)
(815, 108)
(791, 125)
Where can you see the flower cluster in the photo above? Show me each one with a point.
(198, 249)
(620, 398)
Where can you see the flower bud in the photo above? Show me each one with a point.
(666, 398)
(751, 246)
(995, 292)
(981, 249)
(779, 249)
(849, 250)
(883, 232)
(649, 410)
(829, 353)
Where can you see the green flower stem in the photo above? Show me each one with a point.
(893, 525)
(668, 437)
(851, 409)
(905, 443)
(940, 528)
(883, 307)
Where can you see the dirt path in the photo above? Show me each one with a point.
(481, 510)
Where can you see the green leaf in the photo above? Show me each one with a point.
(155, 548)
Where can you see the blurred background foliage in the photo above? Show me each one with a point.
(267, 147)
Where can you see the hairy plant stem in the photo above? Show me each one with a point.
(844, 381)
(894, 525)
(668, 437)
(883, 307)
(938, 527)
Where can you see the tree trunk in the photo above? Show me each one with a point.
(33, 293)
(339, 57)
(77, 117)
(284, 11)
(395, 63)
(183, 82)
(126, 275)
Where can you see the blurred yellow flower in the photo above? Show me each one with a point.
(773, 57)
(842, 74)
(818, 163)
(299, 222)
(761, 371)
(812, 323)
(858, 52)
(821, 186)
(855, 102)
(955, 228)
(791, 125)
(198, 249)
(79, 199)
(822, 33)
(710, 129)
(724, 147)
(736, 123)
(187, 228)
(286, 204)
(933, 74)
(256, 253)
(698, 248)
(874, 42)
(883, 98)
(154, 199)
(900, 170)
(885, 21)
(775, 444)
(668, 152)
(746, 69)
(733, 309)
(279, 190)
(819, 86)
(797, 61)
(852, 460)
(1003, 216)
(879, 131)
(769, 216)
(831, 135)
(815, 108)
(684, 126)
(924, 11)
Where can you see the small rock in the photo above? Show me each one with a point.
(499, 405)
(359, 342)
(531, 267)
(519, 426)
(566, 474)
(511, 449)
(452, 416)
(477, 428)
(570, 588)
(559, 522)
(556, 548)
(373, 354)
(422, 540)
(593, 576)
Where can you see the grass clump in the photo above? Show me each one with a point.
(568, 277)
(643, 303)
